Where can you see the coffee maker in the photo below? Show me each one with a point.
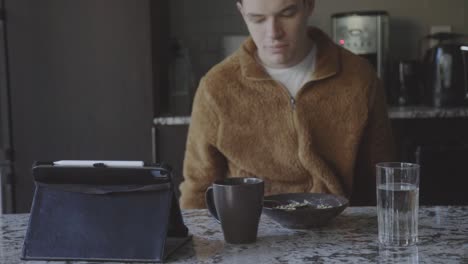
(365, 33)
(446, 71)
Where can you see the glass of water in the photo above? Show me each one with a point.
(397, 203)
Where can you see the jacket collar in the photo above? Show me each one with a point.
(327, 62)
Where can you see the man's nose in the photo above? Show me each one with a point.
(274, 29)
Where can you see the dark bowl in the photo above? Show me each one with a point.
(320, 209)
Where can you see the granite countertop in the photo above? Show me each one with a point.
(394, 112)
(350, 238)
(171, 120)
(407, 112)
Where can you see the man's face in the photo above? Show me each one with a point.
(279, 29)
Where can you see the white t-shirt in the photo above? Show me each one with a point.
(293, 78)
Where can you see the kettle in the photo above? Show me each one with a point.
(446, 71)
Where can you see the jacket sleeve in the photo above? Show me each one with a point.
(377, 145)
(203, 163)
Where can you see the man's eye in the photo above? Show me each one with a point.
(257, 20)
(289, 13)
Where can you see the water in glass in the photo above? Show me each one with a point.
(397, 209)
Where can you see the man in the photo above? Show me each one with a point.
(289, 107)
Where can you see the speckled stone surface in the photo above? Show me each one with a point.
(409, 112)
(171, 120)
(350, 238)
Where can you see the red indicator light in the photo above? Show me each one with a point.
(342, 42)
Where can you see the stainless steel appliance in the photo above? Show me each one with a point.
(408, 88)
(365, 33)
(446, 71)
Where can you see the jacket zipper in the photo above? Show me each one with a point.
(292, 100)
(293, 103)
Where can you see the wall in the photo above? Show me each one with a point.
(81, 83)
(201, 24)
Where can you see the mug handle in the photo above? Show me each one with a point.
(210, 203)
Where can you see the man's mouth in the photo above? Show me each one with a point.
(277, 48)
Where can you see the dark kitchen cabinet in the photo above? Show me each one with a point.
(84, 81)
(440, 146)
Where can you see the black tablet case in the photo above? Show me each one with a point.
(102, 213)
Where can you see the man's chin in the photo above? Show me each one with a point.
(279, 63)
(275, 59)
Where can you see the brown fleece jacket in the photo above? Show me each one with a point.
(245, 124)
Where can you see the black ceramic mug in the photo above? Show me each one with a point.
(237, 204)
